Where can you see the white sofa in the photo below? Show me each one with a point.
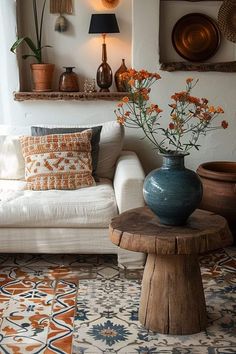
(68, 221)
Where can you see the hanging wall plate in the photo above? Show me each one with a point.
(196, 37)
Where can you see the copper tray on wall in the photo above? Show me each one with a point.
(196, 37)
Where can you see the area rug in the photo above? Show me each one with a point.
(70, 304)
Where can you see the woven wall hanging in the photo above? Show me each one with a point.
(61, 7)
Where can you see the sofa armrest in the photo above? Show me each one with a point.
(128, 181)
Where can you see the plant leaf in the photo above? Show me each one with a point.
(41, 22)
(36, 22)
(27, 40)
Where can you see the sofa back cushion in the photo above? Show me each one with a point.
(59, 161)
(111, 144)
(12, 164)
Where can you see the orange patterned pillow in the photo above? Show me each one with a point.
(58, 161)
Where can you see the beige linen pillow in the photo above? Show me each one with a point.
(58, 161)
(12, 164)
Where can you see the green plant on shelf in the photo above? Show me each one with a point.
(36, 46)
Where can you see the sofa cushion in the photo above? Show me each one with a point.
(87, 207)
(111, 143)
(12, 164)
(96, 131)
(59, 161)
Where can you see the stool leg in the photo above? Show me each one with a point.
(172, 297)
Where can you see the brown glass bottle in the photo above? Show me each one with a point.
(120, 84)
(68, 80)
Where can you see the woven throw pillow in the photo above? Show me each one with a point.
(110, 145)
(96, 131)
(58, 161)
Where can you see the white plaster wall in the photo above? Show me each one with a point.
(220, 88)
(76, 47)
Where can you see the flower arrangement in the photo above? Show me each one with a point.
(190, 116)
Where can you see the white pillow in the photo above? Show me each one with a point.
(12, 164)
(110, 146)
(111, 143)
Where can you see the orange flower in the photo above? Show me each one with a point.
(144, 92)
(158, 110)
(157, 76)
(189, 80)
(224, 124)
(125, 99)
(212, 109)
(144, 74)
(190, 116)
(131, 82)
(206, 116)
(193, 100)
(219, 110)
(180, 96)
(204, 100)
(121, 120)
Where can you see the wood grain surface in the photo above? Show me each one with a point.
(140, 230)
(172, 297)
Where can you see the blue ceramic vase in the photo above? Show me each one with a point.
(172, 192)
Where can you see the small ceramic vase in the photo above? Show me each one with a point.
(120, 84)
(68, 80)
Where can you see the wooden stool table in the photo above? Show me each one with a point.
(172, 297)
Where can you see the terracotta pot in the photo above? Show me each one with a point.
(219, 189)
(42, 75)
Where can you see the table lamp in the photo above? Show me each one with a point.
(103, 24)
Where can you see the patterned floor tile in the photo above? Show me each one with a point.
(108, 272)
(29, 303)
(24, 330)
(59, 342)
(22, 349)
(4, 303)
(103, 317)
(107, 316)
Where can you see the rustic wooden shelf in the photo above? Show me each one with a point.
(68, 96)
(186, 66)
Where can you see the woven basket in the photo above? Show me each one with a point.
(227, 19)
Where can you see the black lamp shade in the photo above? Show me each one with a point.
(103, 23)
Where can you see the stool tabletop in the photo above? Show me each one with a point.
(140, 230)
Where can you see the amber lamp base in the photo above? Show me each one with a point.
(104, 72)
